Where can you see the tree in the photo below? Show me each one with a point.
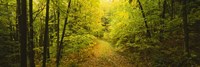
(9, 48)
(17, 20)
(145, 19)
(31, 39)
(58, 30)
(162, 20)
(23, 31)
(46, 35)
(58, 36)
(155, 33)
(185, 27)
(172, 9)
(62, 37)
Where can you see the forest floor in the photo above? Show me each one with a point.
(105, 55)
(100, 54)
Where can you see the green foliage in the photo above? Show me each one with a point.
(9, 50)
(75, 43)
(119, 22)
(127, 32)
(85, 18)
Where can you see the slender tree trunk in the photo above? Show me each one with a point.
(46, 35)
(145, 19)
(17, 20)
(185, 27)
(58, 27)
(31, 43)
(163, 20)
(172, 8)
(23, 32)
(63, 33)
(58, 36)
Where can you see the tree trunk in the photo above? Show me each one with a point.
(31, 43)
(48, 52)
(163, 20)
(17, 20)
(185, 28)
(58, 30)
(46, 35)
(23, 32)
(63, 33)
(145, 19)
(172, 8)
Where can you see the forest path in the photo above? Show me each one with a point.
(104, 55)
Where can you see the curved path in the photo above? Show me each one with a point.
(104, 55)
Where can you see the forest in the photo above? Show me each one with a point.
(99, 33)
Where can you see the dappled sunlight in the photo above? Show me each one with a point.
(103, 54)
(102, 48)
